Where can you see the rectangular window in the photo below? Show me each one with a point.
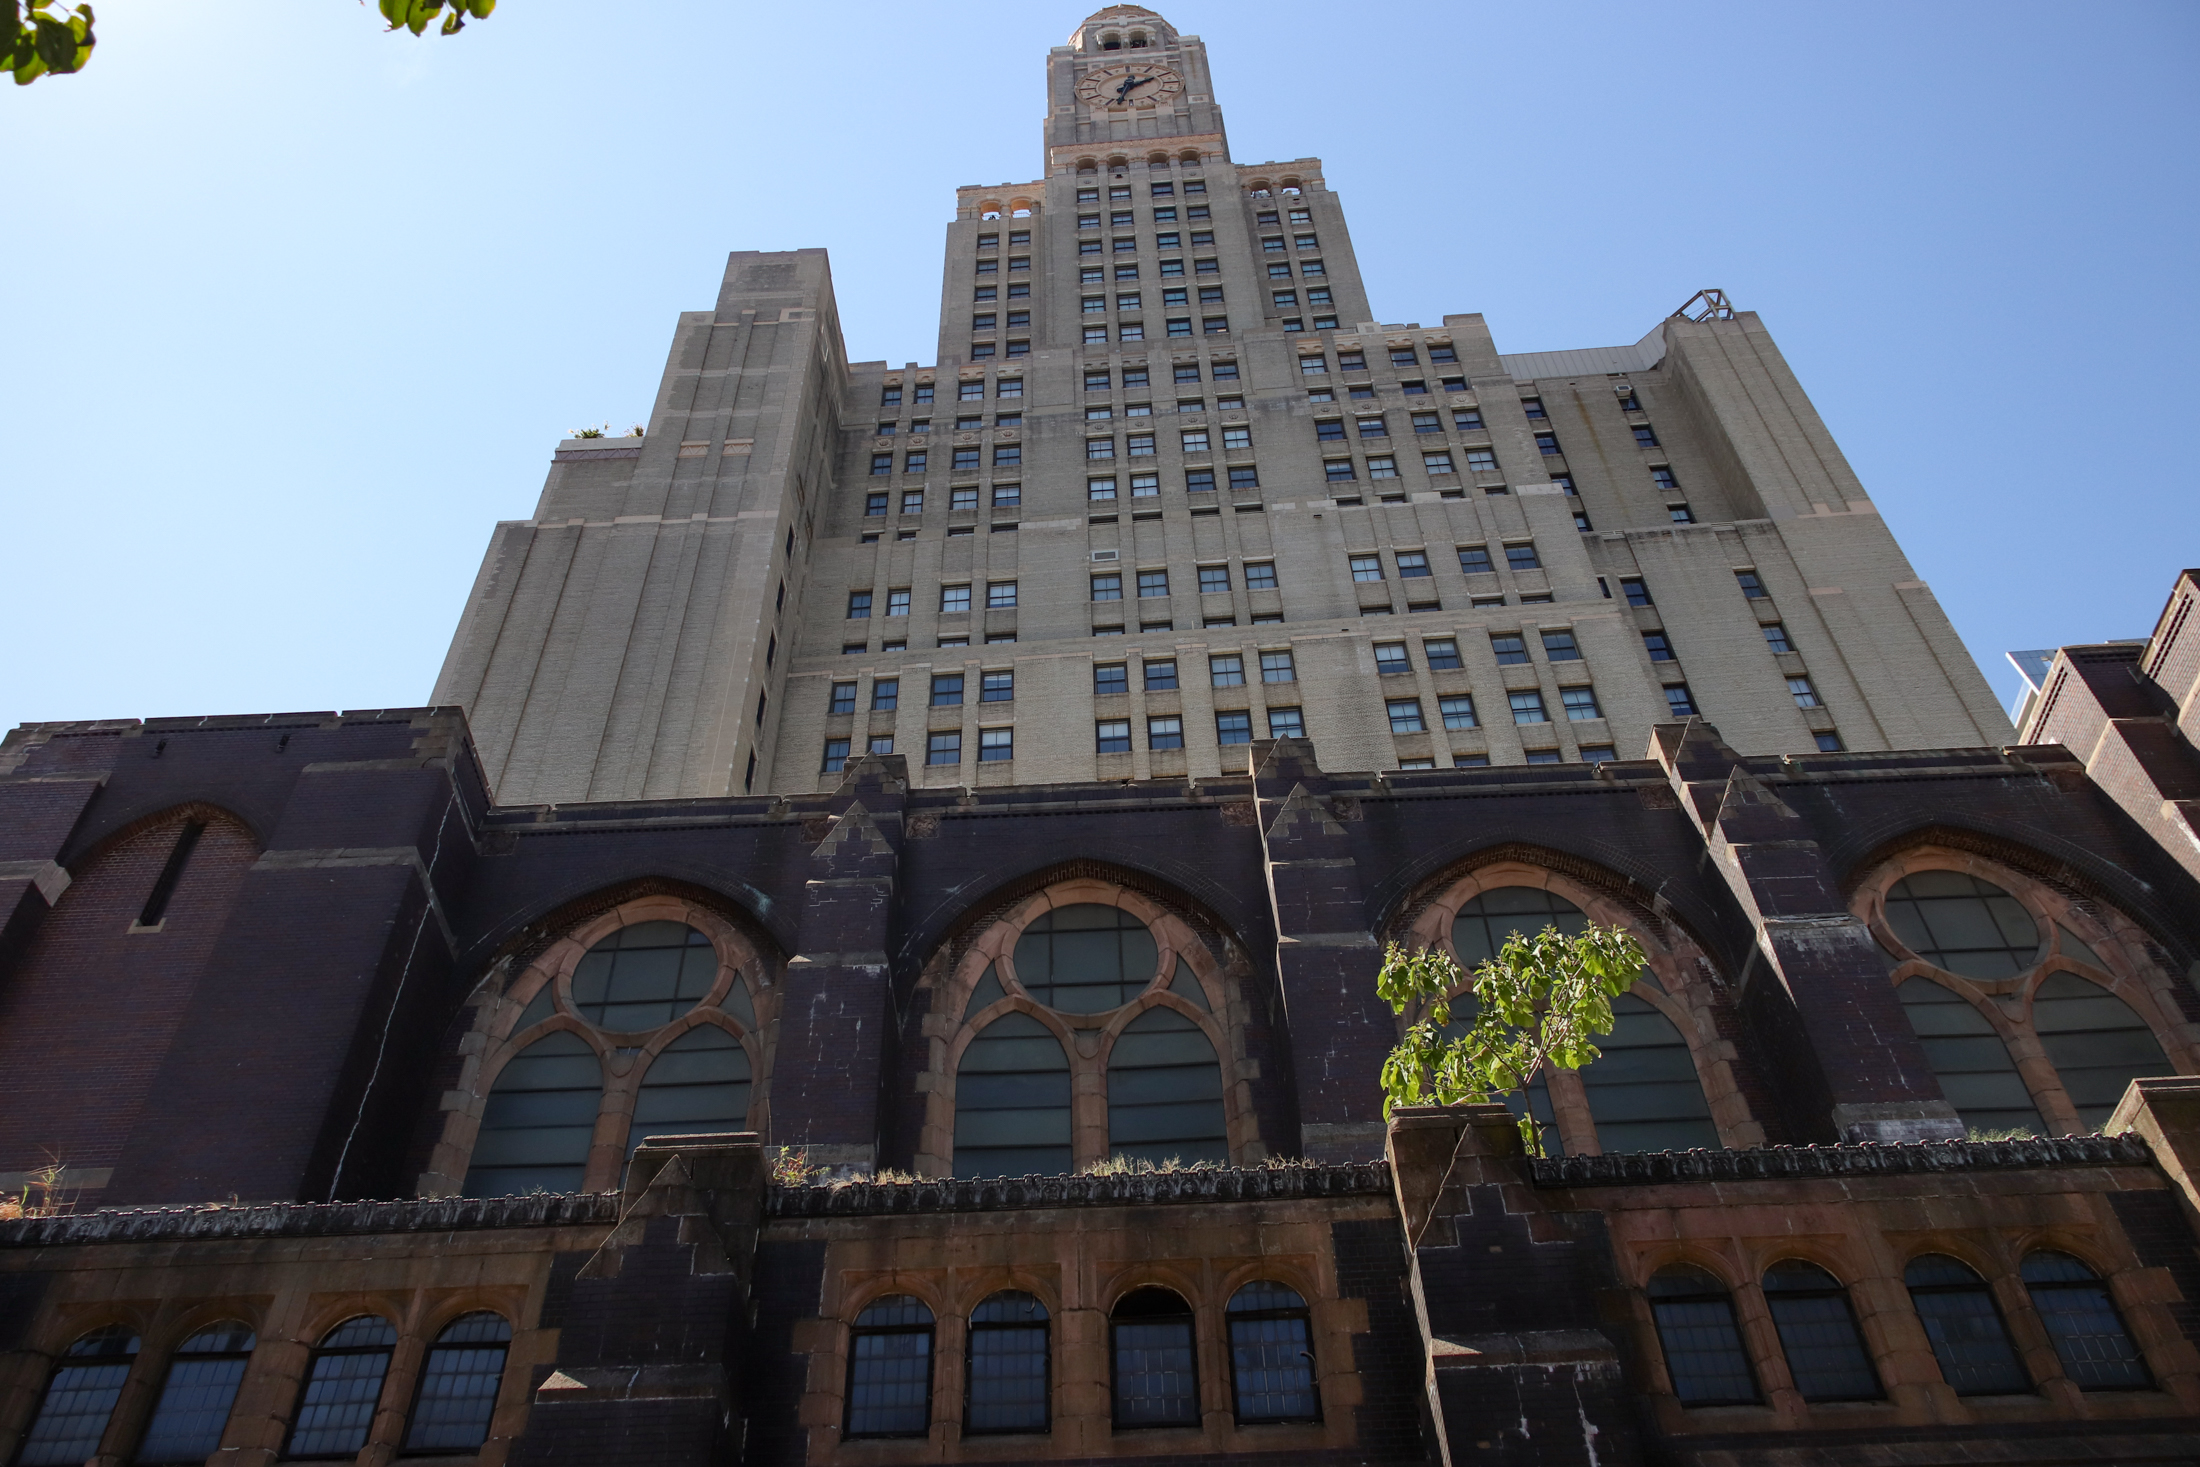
(1391, 659)
(1311, 269)
(1658, 645)
(1467, 420)
(1405, 715)
(1008, 455)
(1110, 677)
(1644, 438)
(997, 687)
(1313, 365)
(1436, 463)
(1474, 559)
(1260, 575)
(1306, 242)
(924, 393)
(1458, 712)
(886, 695)
(889, 397)
(1680, 514)
(1094, 335)
(1226, 670)
(1367, 567)
(1663, 478)
(1199, 481)
(1107, 587)
(914, 461)
(1007, 494)
(1214, 326)
(1351, 361)
(1284, 300)
(1172, 267)
(1522, 557)
(1131, 331)
(1233, 728)
(947, 689)
(1753, 588)
(1805, 695)
(912, 501)
(1481, 461)
(954, 599)
(1277, 667)
(965, 497)
(1636, 591)
(1510, 648)
(1580, 703)
(1829, 742)
(1412, 564)
(1195, 440)
(1112, 736)
(944, 748)
(1213, 578)
(1126, 272)
(965, 458)
(897, 602)
(1095, 305)
(1527, 707)
(1099, 488)
(1776, 637)
(980, 350)
(1470, 761)
(1000, 595)
(1139, 445)
(1286, 723)
(859, 605)
(1677, 700)
(996, 745)
(1145, 486)
(1153, 583)
(1179, 326)
(1559, 647)
(1545, 756)
(1161, 676)
(882, 463)
(1099, 448)
(1097, 381)
(836, 756)
(1442, 653)
(1164, 733)
(1237, 440)
(1547, 444)
(1382, 466)
(1329, 430)
(1244, 476)
(1428, 423)
(844, 698)
(1532, 406)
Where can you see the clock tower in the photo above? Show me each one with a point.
(1126, 77)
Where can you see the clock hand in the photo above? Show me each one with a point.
(1122, 92)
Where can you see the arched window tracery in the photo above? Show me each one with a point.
(1661, 1084)
(652, 1019)
(1091, 1023)
(2035, 1011)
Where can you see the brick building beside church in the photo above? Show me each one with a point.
(415, 1075)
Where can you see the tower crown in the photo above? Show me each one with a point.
(1122, 28)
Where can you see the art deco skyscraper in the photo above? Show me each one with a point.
(1167, 487)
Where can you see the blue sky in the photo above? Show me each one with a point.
(298, 308)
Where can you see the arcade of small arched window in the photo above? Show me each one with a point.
(650, 1020)
(1664, 1082)
(1089, 1024)
(2034, 1012)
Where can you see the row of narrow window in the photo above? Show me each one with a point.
(335, 1407)
(1008, 1366)
(1710, 1366)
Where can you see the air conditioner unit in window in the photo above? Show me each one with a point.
(1102, 557)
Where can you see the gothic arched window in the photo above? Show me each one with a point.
(643, 1022)
(1156, 1379)
(343, 1385)
(1007, 1384)
(2073, 1302)
(1091, 1027)
(79, 1399)
(1272, 1355)
(195, 1399)
(1643, 1091)
(1825, 1354)
(1965, 1327)
(459, 1384)
(2030, 1025)
(1703, 1345)
(890, 1369)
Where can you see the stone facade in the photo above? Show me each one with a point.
(1157, 364)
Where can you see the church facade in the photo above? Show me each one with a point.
(869, 958)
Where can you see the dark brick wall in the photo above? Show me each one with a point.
(789, 1287)
(1371, 1265)
(2161, 1235)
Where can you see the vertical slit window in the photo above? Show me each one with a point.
(195, 1399)
(2097, 1351)
(890, 1369)
(458, 1385)
(1272, 1355)
(343, 1385)
(1008, 1370)
(1703, 1345)
(1156, 1378)
(1012, 1114)
(1825, 1354)
(80, 1398)
(1965, 1328)
(698, 1085)
(171, 873)
(539, 1121)
(1165, 1092)
(1969, 1059)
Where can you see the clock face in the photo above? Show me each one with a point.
(1139, 85)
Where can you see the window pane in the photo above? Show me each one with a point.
(1818, 1334)
(1271, 1355)
(1965, 1328)
(194, 1404)
(1970, 927)
(644, 975)
(1969, 1059)
(1484, 923)
(539, 1121)
(1008, 1365)
(1012, 1114)
(2098, 1045)
(1155, 1384)
(1086, 959)
(890, 1377)
(342, 1387)
(1165, 1092)
(1703, 1348)
(2097, 1351)
(1643, 1091)
(458, 1386)
(79, 1399)
(698, 1085)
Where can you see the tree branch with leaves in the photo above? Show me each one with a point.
(42, 36)
(1539, 1004)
